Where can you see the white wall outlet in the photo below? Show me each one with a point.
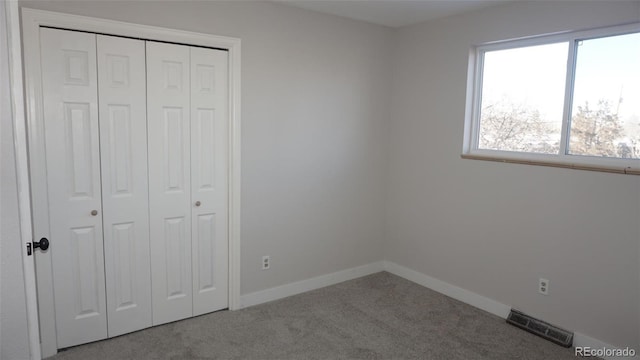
(266, 262)
(543, 286)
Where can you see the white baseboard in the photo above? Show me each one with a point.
(460, 294)
(318, 282)
(484, 303)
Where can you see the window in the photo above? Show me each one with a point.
(571, 99)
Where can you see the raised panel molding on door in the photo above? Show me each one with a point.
(70, 103)
(125, 199)
(169, 126)
(209, 172)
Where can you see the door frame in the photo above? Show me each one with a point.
(14, 47)
(32, 20)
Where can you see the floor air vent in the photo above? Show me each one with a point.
(540, 328)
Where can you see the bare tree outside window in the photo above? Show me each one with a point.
(513, 127)
(606, 102)
(598, 132)
(523, 98)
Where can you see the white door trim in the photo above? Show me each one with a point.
(12, 13)
(32, 20)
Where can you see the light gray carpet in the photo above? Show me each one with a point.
(380, 316)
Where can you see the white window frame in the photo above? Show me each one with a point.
(562, 159)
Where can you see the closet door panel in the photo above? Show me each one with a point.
(169, 126)
(125, 199)
(209, 119)
(73, 176)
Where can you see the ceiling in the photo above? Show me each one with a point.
(392, 13)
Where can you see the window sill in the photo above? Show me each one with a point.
(558, 164)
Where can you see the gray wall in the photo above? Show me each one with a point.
(13, 313)
(315, 103)
(496, 228)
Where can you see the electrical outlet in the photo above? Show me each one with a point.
(266, 262)
(543, 286)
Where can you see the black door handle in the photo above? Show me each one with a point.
(43, 244)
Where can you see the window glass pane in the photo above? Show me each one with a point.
(605, 117)
(523, 99)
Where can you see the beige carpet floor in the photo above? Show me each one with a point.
(380, 316)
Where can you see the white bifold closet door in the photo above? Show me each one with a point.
(170, 186)
(187, 106)
(209, 169)
(125, 194)
(70, 92)
(97, 184)
(136, 149)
